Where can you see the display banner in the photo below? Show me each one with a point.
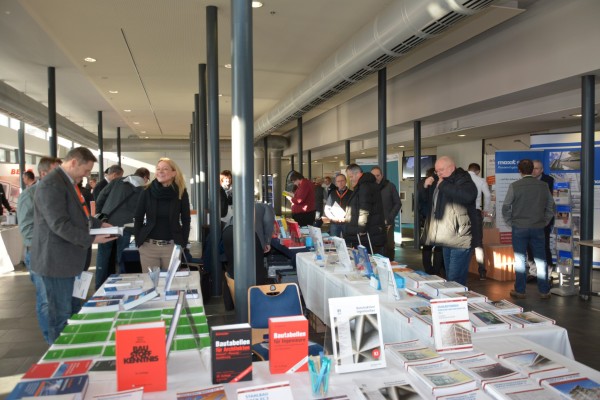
(10, 179)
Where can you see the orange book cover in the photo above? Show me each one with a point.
(141, 356)
(288, 344)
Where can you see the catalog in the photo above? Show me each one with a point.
(442, 378)
(411, 352)
(483, 368)
(451, 324)
(383, 388)
(356, 333)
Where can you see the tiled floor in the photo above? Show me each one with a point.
(21, 343)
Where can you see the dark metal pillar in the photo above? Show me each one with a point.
(382, 120)
(300, 144)
(242, 132)
(100, 147)
(193, 182)
(416, 222)
(21, 140)
(202, 150)
(212, 60)
(587, 182)
(347, 152)
(52, 134)
(119, 144)
(291, 163)
(309, 164)
(265, 197)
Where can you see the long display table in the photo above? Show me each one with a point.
(11, 248)
(318, 284)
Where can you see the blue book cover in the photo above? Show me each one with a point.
(51, 387)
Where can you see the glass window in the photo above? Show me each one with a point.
(3, 120)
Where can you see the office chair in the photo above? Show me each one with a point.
(268, 301)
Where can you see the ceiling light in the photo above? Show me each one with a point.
(146, 137)
(363, 152)
(228, 66)
(335, 158)
(401, 146)
(579, 115)
(257, 4)
(127, 110)
(113, 91)
(136, 123)
(89, 59)
(220, 94)
(142, 131)
(462, 135)
(315, 161)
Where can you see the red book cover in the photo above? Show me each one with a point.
(40, 371)
(288, 344)
(141, 356)
(231, 357)
(57, 370)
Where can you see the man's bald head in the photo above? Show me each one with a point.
(444, 167)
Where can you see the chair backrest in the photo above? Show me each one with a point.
(267, 301)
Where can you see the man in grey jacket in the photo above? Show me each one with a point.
(391, 207)
(61, 234)
(528, 208)
(118, 202)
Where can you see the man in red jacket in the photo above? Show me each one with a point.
(303, 202)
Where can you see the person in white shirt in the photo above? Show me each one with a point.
(477, 217)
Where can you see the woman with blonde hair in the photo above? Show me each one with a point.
(162, 217)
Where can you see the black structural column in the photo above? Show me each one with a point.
(100, 147)
(347, 152)
(193, 182)
(587, 182)
(21, 139)
(212, 59)
(417, 142)
(119, 144)
(382, 119)
(53, 138)
(291, 163)
(242, 132)
(265, 198)
(202, 150)
(309, 165)
(300, 145)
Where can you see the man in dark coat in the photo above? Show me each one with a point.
(449, 224)
(391, 206)
(364, 213)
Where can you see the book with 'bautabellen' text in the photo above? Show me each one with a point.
(231, 356)
(288, 344)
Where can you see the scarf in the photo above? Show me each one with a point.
(161, 192)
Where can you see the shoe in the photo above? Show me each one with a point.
(517, 295)
(482, 275)
(545, 296)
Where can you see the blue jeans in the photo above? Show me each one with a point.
(456, 261)
(336, 229)
(535, 239)
(41, 301)
(103, 267)
(60, 305)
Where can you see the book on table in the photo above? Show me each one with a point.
(472, 297)
(101, 306)
(211, 393)
(483, 368)
(519, 388)
(130, 290)
(81, 286)
(442, 378)
(486, 321)
(411, 352)
(533, 364)
(288, 344)
(436, 289)
(189, 294)
(451, 324)
(231, 356)
(141, 357)
(390, 387)
(500, 307)
(344, 262)
(140, 298)
(356, 334)
(528, 319)
(415, 280)
(573, 387)
(57, 369)
(75, 386)
(269, 391)
(362, 261)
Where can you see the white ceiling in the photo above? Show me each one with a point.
(149, 51)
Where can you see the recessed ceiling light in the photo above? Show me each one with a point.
(142, 131)
(579, 115)
(335, 158)
(220, 94)
(113, 91)
(136, 123)
(316, 161)
(363, 152)
(462, 135)
(89, 59)
(146, 137)
(257, 4)
(127, 110)
(401, 146)
(228, 66)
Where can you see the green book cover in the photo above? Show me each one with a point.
(81, 338)
(109, 351)
(75, 352)
(92, 317)
(135, 321)
(91, 327)
(190, 343)
(128, 315)
(196, 310)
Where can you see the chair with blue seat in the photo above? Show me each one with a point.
(268, 301)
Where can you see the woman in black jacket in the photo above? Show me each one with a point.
(162, 217)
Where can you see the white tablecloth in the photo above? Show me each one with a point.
(11, 248)
(318, 284)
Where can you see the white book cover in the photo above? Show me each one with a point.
(135, 300)
(484, 369)
(528, 319)
(533, 364)
(411, 352)
(110, 230)
(81, 286)
(386, 276)
(174, 263)
(442, 378)
(344, 262)
(472, 297)
(270, 391)
(415, 280)
(386, 388)
(500, 307)
(435, 289)
(451, 324)
(486, 321)
(519, 389)
(317, 238)
(356, 333)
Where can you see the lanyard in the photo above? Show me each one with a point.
(82, 200)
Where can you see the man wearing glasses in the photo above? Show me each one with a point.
(448, 224)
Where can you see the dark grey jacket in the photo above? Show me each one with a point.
(119, 199)
(528, 204)
(391, 201)
(61, 233)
